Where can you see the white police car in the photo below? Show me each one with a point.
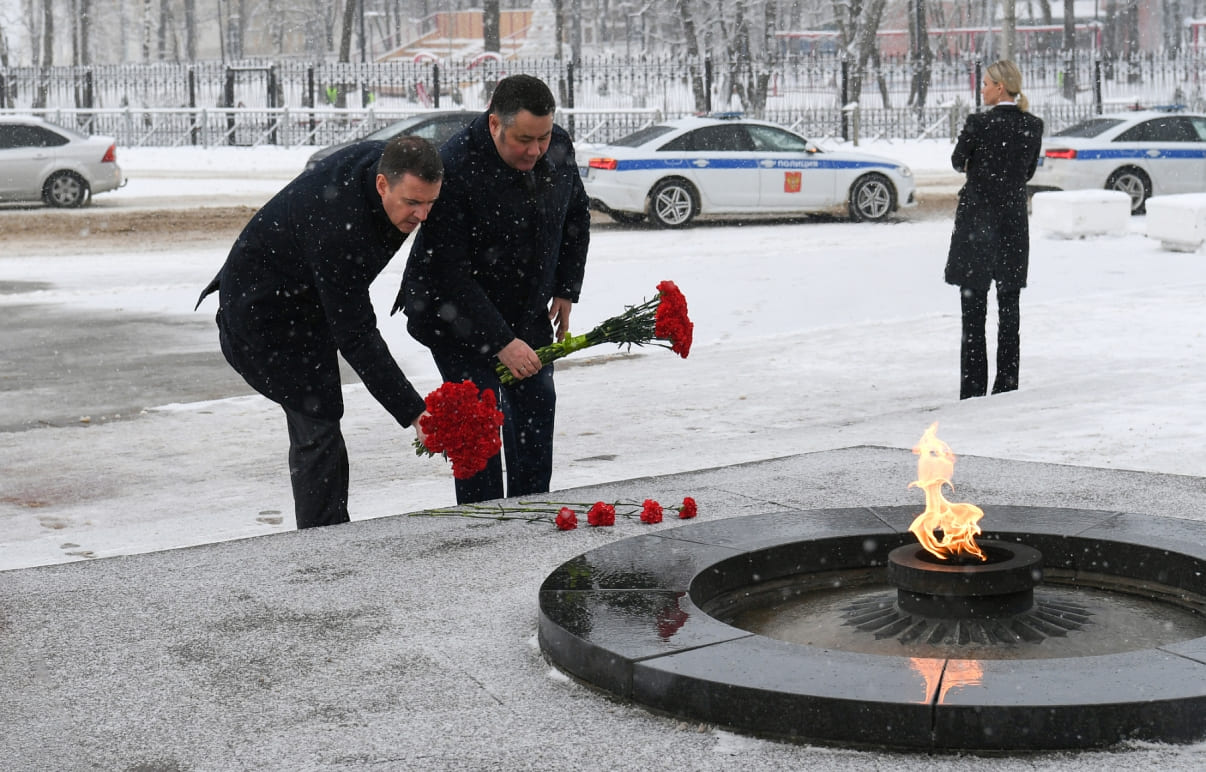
(679, 169)
(1143, 153)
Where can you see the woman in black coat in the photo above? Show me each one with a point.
(998, 150)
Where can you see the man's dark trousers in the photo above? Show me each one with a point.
(528, 408)
(318, 469)
(973, 355)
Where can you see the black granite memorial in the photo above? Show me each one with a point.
(787, 625)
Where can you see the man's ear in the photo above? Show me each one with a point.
(382, 185)
(494, 123)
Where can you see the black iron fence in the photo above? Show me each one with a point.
(294, 102)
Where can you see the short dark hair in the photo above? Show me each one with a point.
(409, 154)
(521, 92)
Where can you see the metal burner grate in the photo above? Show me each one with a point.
(1047, 619)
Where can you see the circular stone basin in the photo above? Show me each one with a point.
(643, 619)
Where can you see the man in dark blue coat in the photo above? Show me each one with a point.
(294, 293)
(494, 272)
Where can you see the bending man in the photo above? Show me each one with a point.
(294, 293)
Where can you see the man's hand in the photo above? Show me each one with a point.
(520, 359)
(559, 313)
(418, 427)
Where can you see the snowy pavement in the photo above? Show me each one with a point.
(397, 642)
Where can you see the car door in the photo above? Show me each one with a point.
(792, 173)
(26, 153)
(720, 161)
(1171, 150)
(1197, 148)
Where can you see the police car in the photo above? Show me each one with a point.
(1143, 153)
(675, 171)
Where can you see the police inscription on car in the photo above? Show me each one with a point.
(788, 163)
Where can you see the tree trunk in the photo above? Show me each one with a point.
(190, 30)
(697, 83)
(345, 31)
(1009, 23)
(491, 21)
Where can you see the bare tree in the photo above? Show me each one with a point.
(858, 25)
(920, 54)
(491, 16)
(190, 30)
(697, 83)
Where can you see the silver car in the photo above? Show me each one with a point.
(41, 161)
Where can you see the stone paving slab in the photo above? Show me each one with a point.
(410, 643)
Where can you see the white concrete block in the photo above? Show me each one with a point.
(1075, 214)
(1178, 221)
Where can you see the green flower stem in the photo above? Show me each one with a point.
(634, 327)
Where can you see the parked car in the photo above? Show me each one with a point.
(437, 127)
(1143, 153)
(41, 161)
(674, 171)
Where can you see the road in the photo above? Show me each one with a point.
(62, 363)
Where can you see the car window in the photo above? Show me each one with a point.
(18, 135)
(1089, 128)
(1170, 129)
(1199, 127)
(712, 139)
(441, 129)
(771, 140)
(641, 136)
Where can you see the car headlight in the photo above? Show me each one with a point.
(904, 171)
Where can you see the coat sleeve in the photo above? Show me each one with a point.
(342, 276)
(575, 240)
(965, 148)
(1034, 125)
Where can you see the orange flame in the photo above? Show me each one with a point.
(957, 522)
(943, 675)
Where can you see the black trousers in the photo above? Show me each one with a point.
(528, 408)
(973, 354)
(318, 469)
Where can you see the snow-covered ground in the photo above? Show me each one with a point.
(809, 336)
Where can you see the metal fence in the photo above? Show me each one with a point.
(301, 103)
(290, 127)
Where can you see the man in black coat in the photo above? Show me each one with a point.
(998, 150)
(502, 256)
(294, 293)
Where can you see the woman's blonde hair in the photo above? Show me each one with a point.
(1007, 74)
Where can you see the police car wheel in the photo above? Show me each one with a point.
(672, 203)
(871, 198)
(1135, 184)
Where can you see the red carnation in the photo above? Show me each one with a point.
(688, 510)
(651, 512)
(672, 322)
(462, 423)
(601, 514)
(566, 520)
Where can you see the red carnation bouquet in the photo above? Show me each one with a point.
(663, 318)
(462, 423)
